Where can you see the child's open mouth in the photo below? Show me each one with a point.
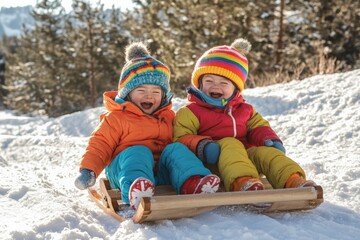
(216, 95)
(146, 105)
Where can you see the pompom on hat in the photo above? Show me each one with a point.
(141, 68)
(227, 61)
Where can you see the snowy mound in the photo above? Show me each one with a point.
(318, 120)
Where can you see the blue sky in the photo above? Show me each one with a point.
(123, 4)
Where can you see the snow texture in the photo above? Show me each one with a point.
(318, 120)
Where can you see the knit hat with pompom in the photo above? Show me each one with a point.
(227, 61)
(140, 68)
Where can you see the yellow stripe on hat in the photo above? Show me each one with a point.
(218, 71)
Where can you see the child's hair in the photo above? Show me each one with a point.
(227, 61)
(141, 68)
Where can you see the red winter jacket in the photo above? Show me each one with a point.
(199, 120)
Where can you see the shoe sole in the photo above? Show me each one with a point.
(253, 186)
(140, 188)
(208, 184)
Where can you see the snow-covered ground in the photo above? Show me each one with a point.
(318, 119)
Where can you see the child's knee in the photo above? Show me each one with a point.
(176, 150)
(138, 149)
(233, 146)
(131, 156)
(174, 146)
(264, 152)
(230, 141)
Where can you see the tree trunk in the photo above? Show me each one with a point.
(93, 91)
(281, 33)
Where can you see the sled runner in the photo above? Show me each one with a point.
(165, 204)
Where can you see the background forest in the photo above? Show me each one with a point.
(68, 60)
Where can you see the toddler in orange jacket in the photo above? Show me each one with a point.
(133, 141)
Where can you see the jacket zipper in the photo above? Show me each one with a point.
(233, 120)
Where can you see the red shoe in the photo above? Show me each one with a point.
(247, 184)
(198, 184)
(140, 188)
(297, 181)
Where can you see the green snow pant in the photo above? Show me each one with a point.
(236, 161)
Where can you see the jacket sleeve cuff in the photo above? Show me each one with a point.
(200, 149)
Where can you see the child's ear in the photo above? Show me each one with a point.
(200, 82)
(164, 100)
(236, 88)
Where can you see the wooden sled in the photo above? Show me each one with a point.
(165, 204)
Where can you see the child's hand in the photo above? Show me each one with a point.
(85, 179)
(212, 152)
(276, 144)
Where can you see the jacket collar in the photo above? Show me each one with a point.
(194, 96)
(111, 105)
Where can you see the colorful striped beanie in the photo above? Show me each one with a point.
(140, 68)
(227, 61)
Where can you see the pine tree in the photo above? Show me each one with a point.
(98, 45)
(338, 24)
(2, 77)
(180, 31)
(67, 61)
(114, 54)
(39, 82)
(319, 27)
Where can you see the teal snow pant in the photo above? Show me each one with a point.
(176, 164)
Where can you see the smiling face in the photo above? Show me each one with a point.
(147, 97)
(217, 86)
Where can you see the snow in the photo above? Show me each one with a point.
(317, 118)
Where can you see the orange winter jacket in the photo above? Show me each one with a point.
(125, 125)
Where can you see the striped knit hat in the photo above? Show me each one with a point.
(227, 61)
(140, 68)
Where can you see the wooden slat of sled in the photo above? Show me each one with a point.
(172, 207)
(167, 205)
(231, 198)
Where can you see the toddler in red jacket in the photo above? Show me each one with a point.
(222, 129)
